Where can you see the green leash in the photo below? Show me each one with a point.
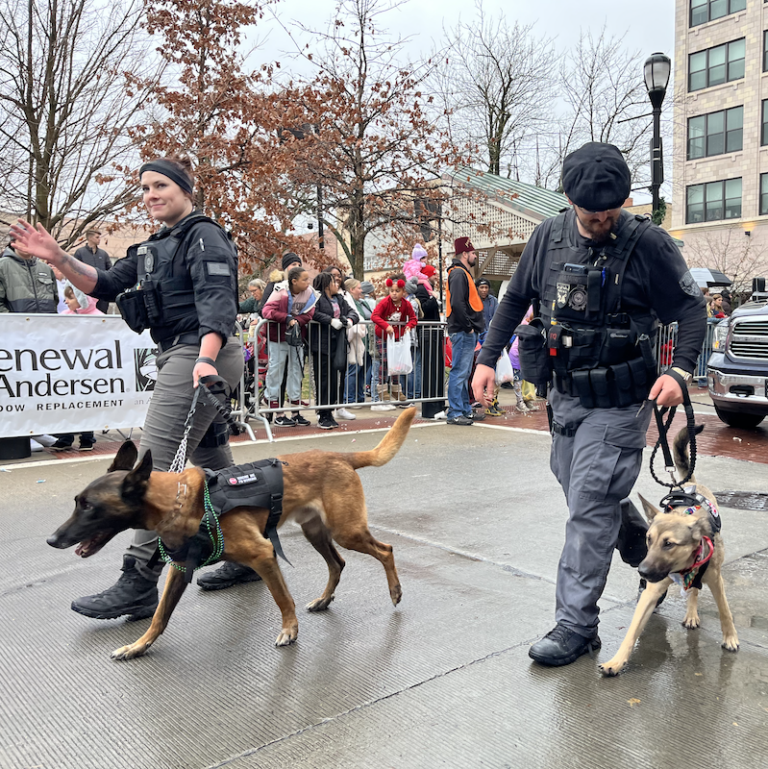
(213, 526)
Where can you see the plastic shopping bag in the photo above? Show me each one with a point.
(399, 361)
(504, 370)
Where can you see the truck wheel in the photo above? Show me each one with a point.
(734, 419)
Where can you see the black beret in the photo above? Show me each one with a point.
(596, 177)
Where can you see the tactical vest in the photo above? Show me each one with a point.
(257, 484)
(596, 351)
(164, 296)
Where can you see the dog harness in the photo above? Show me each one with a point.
(691, 577)
(257, 484)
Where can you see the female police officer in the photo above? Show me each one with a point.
(187, 272)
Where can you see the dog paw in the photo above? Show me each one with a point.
(130, 652)
(612, 667)
(692, 622)
(730, 643)
(320, 604)
(287, 637)
(396, 594)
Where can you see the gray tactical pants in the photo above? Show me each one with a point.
(164, 427)
(597, 468)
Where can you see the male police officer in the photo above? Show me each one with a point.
(602, 279)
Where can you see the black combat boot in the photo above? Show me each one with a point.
(227, 575)
(132, 594)
(562, 646)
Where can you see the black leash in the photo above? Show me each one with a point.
(663, 428)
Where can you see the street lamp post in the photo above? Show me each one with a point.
(656, 71)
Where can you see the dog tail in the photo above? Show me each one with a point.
(680, 451)
(389, 445)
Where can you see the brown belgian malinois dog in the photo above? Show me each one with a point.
(681, 541)
(321, 492)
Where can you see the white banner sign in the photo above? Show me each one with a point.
(72, 373)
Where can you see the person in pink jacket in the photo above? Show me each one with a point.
(287, 307)
(413, 268)
(75, 308)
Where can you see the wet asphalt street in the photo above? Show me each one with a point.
(443, 680)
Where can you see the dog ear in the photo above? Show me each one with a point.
(135, 483)
(699, 528)
(650, 511)
(125, 458)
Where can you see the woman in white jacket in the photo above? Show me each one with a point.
(354, 383)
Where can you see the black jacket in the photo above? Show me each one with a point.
(208, 258)
(656, 279)
(323, 337)
(462, 317)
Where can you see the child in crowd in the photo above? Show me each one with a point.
(287, 308)
(414, 267)
(392, 316)
(75, 306)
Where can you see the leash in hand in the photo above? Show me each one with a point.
(663, 429)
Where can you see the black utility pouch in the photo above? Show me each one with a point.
(134, 313)
(533, 353)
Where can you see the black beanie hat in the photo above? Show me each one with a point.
(596, 177)
(289, 259)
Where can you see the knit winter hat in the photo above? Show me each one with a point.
(289, 259)
(411, 285)
(367, 287)
(419, 252)
(483, 282)
(462, 246)
(429, 270)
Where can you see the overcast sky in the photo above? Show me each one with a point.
(649, 27)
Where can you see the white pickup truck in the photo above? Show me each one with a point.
(737, 370)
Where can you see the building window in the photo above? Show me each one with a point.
(703, 11)
(765, 49)
(764, 126)
(714, 66)
(713, 201)
(763, 194)
(715, 133)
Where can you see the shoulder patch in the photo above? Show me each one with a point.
(217, 268)
(689, 285)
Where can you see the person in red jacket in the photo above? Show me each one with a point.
(392, 316)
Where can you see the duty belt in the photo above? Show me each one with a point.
(622, 384)
(190, 337)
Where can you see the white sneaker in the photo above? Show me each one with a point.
(45, 440)
(382, 407)
(344, 414)
(440, 415)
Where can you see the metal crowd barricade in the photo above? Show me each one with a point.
(666, 339)
(357, 377)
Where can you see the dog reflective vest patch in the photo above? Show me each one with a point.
(258, 484)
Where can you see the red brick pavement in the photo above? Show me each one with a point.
(717, 439)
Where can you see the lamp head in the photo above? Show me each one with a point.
(656, 72)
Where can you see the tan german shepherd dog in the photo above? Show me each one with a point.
(321, 492)
(676, 540)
